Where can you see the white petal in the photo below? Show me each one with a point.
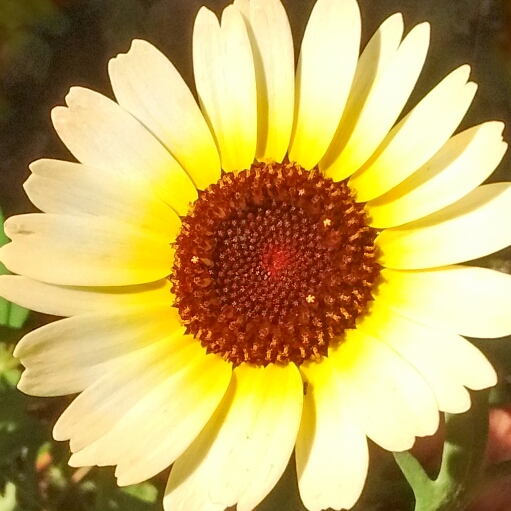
(389, 398)
(225, 78)
(326, 67)
(134, 375)
(84, 251)
(416, 138)
(73, 189)
(250, 440)
(434, 354)
(188, 485)
(71, 301)
(67, 356)
(101, 134)
(464, 162)
(458, 299)
(386, 76)
(331, 448)
(244, 7)
(272, 45)
(475, 226)
(147, 85)
(166, 416)
(198, 393)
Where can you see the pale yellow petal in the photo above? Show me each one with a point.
(331, 448)
(244, 7)
(102, 135)
(73, 189)
(225, 78)
(386, 76)
(326, 68)
(99, 407)
(71, 301)
(147, 85)
(444, 359)
(247, 444)
(84, 251)
(272, 46)
(388, 397)
(166, 417)
(189, 481)
(417, 137)
(458, 299)
(67, 356)
(197, 395)
(463, 163)
(473, 227)
(258, 436)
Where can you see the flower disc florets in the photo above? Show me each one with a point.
(272, 263)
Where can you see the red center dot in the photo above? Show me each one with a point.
(275, 260)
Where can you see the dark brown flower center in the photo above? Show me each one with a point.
(272, 264)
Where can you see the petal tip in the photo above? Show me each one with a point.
(74, 461)
(58, 115)
(72, 93)
(205, 15)
(37, 164)
(23, 385)
(58, 434)
(423, 30)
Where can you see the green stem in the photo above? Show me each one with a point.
(461, 469)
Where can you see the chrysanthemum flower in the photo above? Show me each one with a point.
(273, 271)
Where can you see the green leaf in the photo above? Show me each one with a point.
(11, 315)
(18, 430)
(110, 498)
(9, 366)
(21, 437)
(145, 492)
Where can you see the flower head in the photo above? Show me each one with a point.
(274, 270)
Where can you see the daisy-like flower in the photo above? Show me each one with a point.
(274, 270)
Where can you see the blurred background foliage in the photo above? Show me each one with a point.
(46, 46)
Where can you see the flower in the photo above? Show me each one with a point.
(276, 270)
